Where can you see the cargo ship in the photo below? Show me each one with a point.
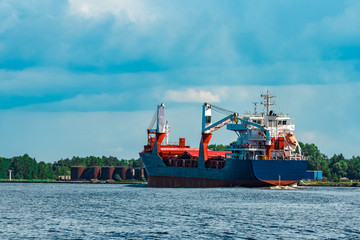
(266, 152)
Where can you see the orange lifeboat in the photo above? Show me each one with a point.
(291, 139)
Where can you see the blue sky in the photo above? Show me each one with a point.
(83, 77)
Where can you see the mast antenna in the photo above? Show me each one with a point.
(267, 102)
(255, 107)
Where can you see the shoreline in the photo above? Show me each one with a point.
(305, 183)
(302, 183)
(75, 182)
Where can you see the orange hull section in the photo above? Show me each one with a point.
(282, 182)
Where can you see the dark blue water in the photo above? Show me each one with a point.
(94, 211)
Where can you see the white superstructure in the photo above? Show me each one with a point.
(252, 141)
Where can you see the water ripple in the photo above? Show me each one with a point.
(80, 211)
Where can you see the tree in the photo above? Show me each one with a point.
(339, 165)
(113, 161)
(354, 168)
(77, 161)
(316, 160)
(135, 163)
(117, 177)
(24, 167)
(93, 161)
(61, 170)
(218, 147)
(44, 171)
(5, 166)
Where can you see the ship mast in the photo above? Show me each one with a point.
(255, 107)
(267, 101)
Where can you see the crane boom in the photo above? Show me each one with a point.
(207, 126)
(207, 129)
(219, 124)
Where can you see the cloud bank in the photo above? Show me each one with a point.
(61, 58)
(191, 95)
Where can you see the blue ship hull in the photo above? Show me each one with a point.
(246, 173)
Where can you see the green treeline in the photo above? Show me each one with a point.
(333, 168)
(217, 147)
(25, 167)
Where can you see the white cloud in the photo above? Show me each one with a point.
(191, 95)
(340, 29)
(136, 11)
(8, 20)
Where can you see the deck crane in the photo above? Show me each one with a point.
(208, 128)
(160, 131)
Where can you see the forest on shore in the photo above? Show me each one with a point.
(26, 167)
